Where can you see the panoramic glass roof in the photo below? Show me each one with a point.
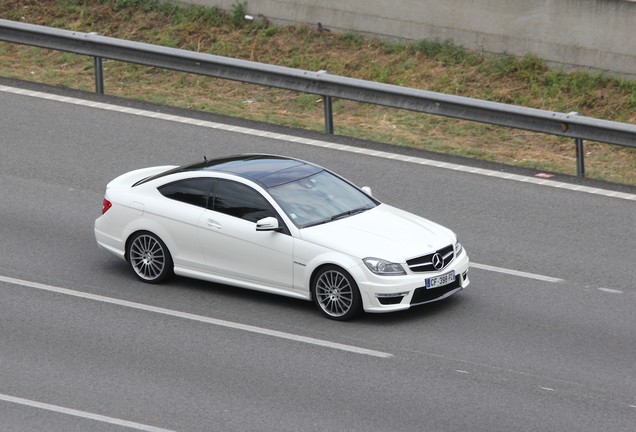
(267, 170)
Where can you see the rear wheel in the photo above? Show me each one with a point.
(336, 293)
(149, 258)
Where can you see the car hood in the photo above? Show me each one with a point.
(383, 232)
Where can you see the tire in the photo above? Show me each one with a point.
(149, 258)
(336, 294)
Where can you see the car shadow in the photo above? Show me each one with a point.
(283, 305)
(415, 314)
(230, 292)
(295, 306)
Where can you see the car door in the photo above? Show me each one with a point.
(180, 215)
(231, 245)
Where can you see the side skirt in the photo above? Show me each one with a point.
(197, 274)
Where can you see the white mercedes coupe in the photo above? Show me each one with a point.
(283, 226)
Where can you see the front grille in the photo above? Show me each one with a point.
(423, 295)
(424, 263)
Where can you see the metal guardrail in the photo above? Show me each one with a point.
(324, 84)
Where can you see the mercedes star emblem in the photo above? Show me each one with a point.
(438, 263)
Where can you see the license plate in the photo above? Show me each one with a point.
(439, 281)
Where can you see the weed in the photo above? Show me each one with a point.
(121, 4)
(237, 18)
(352, 38)
(504, 65)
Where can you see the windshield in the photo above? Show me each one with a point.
(320, 198)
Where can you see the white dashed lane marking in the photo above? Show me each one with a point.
(199, 318)
(82, 414)
(532, 276)
(515, 273)
(611, 291)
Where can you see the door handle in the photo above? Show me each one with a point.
(213, 224)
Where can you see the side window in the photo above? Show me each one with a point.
(241, 201)
(190, 191)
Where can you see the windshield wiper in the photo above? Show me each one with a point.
(338, 216)
(349, 213)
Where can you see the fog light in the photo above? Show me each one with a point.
(390, 299)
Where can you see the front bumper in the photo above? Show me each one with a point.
(394, 293)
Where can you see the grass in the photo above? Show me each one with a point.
(430, 65)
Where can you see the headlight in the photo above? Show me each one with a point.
(458, 248)
(383, 267)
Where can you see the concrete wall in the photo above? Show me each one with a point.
(580, 34)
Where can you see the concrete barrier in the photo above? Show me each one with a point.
(573, 34)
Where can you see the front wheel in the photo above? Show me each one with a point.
(336, 293)
(149, 258)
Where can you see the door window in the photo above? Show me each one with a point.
(241, 201)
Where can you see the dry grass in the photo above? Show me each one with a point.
(431, 66)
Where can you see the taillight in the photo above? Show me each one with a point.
(107, 205)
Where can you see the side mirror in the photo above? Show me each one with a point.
(267, 224)
(367, 190)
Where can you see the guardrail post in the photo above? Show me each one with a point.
(328, 108)
(580, 153)
(580, 157)
(328, 114)
(99, 75)
(99, 72)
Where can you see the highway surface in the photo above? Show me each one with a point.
(544, 338)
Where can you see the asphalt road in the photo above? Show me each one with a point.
(542, 340)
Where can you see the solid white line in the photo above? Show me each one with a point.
(199, 318)
(515, 273)
(326, 144)
(83, 414)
